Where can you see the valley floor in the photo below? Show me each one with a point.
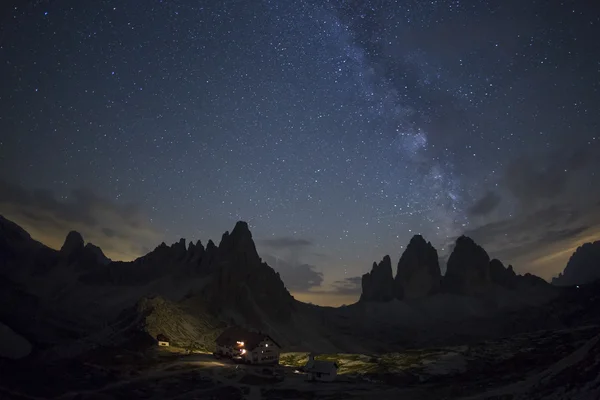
(549, 364)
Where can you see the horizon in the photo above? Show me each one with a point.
(345, 293)
(336, 131)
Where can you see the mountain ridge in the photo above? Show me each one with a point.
(79, 292)
(470, 272)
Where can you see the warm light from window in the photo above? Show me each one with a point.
(240, 343)
(243, 351)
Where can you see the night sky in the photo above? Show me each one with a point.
(337, 129)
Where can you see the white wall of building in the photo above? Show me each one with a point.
(267, 352)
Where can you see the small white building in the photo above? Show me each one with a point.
(162, 340)
(318, 370)
(250, 347)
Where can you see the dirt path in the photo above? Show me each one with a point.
(201, 361)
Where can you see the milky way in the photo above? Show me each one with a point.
(345, 127)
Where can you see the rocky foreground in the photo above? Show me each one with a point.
(563, 364)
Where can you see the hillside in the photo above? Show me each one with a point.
(183, 291)
(197, 331)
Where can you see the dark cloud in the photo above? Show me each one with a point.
(286, 243)
(49, 219)
(486, 204)
(288, 256)
(296, 277)
(561, 234)
(32, 216)
(541, 227)
(348, 286)
(529, 182)
(552, 200)
(545, 177)
(109, 232)
(544, 232)
(78, 209)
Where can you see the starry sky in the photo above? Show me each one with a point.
(336, 129)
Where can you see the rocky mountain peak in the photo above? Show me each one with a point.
(97, 254)
(242, 281)
(9, 231)
(378, 285)
(73, 243)
(468, 268)
(239, 236)
(15, 242)
(241, 229)
(224, 239)
(239, 246)
(417, 240)
(195, 252)
(179, 249)
(583, 266)
(180, 245)
(502, 276)
(210, 246)
(418, 274)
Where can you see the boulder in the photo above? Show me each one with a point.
(418, 274)
(378, 285)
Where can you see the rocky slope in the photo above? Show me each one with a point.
(191, 328)
(576, 376)
(77, 292)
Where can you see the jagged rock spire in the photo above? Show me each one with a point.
(378, 285)
(97, 254)
(73, 243)
(239, 245)
(468, 268)
(583, 266)
(418, 274)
